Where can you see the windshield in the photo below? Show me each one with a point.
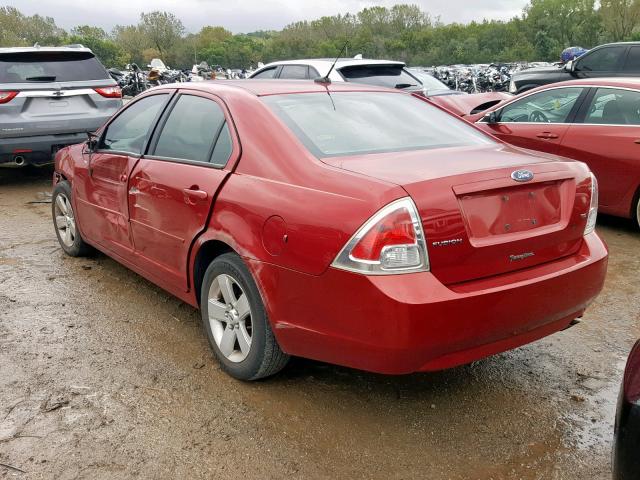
(392, 76)
(351, 123)
(50, 67)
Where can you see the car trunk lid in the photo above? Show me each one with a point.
(479, 221)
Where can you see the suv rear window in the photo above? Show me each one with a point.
(352, 123)
(381, 75)
(50, 67)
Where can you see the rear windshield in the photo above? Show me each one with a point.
(33, 67)
(351, 123)
(382, 75)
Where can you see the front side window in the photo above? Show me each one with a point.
(129, 131)
(190, 130)
(350, 123)
(612, 106)
(601, 60)
(295, 72)
(550, 106)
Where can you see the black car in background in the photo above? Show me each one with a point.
(626, 446)
(610, 60)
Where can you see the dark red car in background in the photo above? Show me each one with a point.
(345, 223)
(596, 121)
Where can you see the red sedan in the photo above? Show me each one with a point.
(350, 224)
(596, 121)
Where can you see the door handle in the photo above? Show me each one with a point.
(637, 141)
(547, 135)
(195, 193)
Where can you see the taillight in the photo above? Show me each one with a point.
(109, 92)
(7, 96)
(593, 207)
(390, 242)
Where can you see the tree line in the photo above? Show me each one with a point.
(402, 32)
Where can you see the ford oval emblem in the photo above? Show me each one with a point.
(522, 175)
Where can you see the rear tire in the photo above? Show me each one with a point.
(236, 322)
(637, 210)
(64, 222)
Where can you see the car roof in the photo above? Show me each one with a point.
(278, 87)
(341, 63)
(624, 82)
(68, 48)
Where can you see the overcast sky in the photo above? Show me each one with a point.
(249, 15)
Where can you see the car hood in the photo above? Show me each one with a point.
(535, 70)
(464, 105)
(402, 168)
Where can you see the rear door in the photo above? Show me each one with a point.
(172, 189)
(57, 92)
(100, 183)
(606, 136)
(538, 121)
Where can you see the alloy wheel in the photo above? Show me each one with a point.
(230, 317)
(65, 220)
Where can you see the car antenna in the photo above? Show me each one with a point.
(326, 80)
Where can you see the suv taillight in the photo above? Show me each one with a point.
(7, 96)
(109, 92)
(390, 242)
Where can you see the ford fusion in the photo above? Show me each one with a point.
(350, 224)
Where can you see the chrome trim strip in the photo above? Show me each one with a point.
(56, 93)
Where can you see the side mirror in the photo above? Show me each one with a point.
(570, 66)
(92, 142)
(491, 118)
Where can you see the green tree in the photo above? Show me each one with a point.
(620, 18)
(163, 30)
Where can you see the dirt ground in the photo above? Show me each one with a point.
(103, 375)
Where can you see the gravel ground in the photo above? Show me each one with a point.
(103, 375)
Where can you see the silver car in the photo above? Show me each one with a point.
(51, 97)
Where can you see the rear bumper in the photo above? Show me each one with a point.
(39, 150)
(407, 323)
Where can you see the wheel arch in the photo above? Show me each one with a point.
(207, 250)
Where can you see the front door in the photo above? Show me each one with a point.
(538, 121)
(101, 183)
(172, 189)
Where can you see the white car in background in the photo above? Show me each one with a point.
(385, 73)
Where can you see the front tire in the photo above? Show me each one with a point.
(637, 210)
(64, 222)
(236, 322)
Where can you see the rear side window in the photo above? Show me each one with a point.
(602, 60)
(191, 129)
(33, 67)
(381, 75)
(268, 73)
(129, 131)
(350, 123)
(633, 60)
(612, 106)
(295, 72)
